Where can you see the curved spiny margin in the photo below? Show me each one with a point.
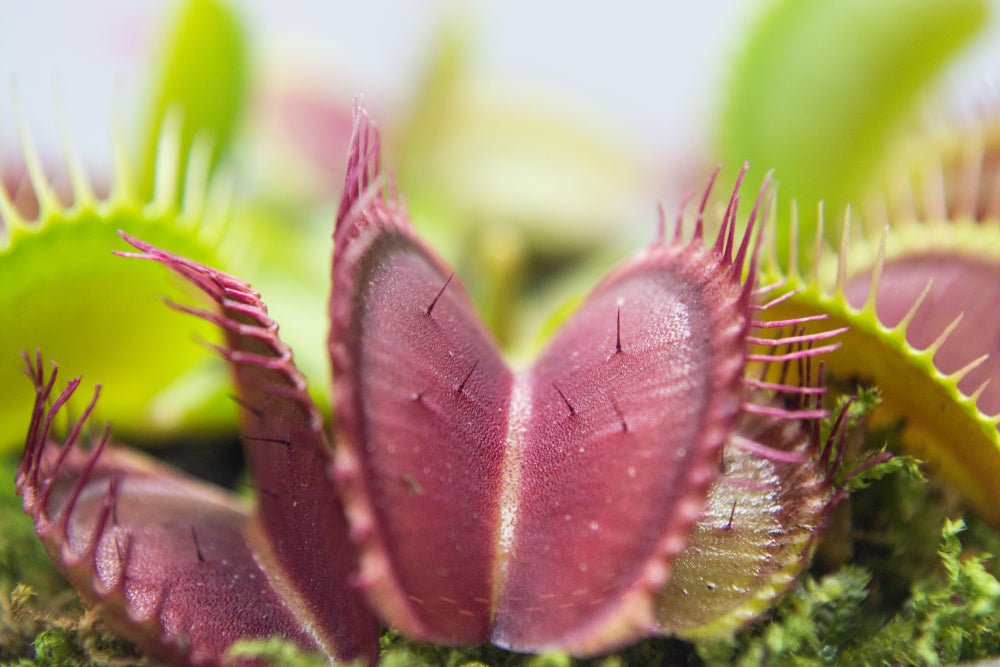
(768, 508)
(422, 514)
(946, 226)
(56, 268)
(950, 170)
(300, 533)
(667, 428)
(581, 478)
(163, 557)
(779, 485)
(944, 424)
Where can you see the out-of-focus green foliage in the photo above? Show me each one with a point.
(511, 186)
(819, 90)
(65, 294)
(203, 77)
(475, 156)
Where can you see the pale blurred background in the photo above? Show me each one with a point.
(646, 73)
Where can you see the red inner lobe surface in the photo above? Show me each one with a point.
(299, 510)
(604, 468)
(962, 284)
(186, 563)
(434, 402)
(298, 506)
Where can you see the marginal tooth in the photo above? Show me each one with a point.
(218, 207)
(679, 220)
(762, 207)
(39, 183)
(904, 323)
(968, 368)
(818, 251)
(123, 187)
(969, 182)
(661, 225)
(872, 300)
(935, 204)
(696, 237)
(83, 193)
(767, 229)
(168, 151)
(902, 196)
(932, 349)
(845, 238)
(793, 243)
(974, 396)
(8, 215)
(197, 179)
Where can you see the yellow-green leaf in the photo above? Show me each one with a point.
(202, 77)
(819, 89)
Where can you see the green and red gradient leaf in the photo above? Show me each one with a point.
(764, 514)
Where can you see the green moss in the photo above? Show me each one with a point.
(22, 557)
(950, 615)
(947, 620)
(276, 652)
(58, 647)
(900, 590)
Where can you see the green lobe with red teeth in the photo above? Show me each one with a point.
(920, 356)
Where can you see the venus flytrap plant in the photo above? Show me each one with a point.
(778, 525)
(546, 508)
(930, 348)
(915, 302)
(659, 470)
(946, 220)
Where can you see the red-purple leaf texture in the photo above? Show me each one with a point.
(299, 529)
(165, 556)
(463, 502)
(539, 509)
